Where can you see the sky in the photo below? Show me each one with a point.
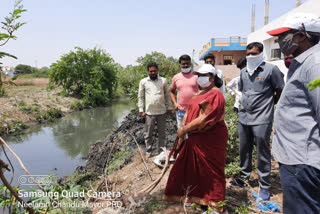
(128, 29)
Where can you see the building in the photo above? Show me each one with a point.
(271, 47)
(227, 51)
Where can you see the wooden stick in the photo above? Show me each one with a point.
(154, 184)
(144, 162)
(6, 183)
(26, 171)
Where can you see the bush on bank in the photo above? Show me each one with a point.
(88, 74)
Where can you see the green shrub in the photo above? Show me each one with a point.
(77, 105)
(130, 76)
(87, 74)
(28, 109)
(232, 156)
(3, 91)
(12, 127)
(49, 115)
(22, 103)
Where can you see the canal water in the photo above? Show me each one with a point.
(58, 148)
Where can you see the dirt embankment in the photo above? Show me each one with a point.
(117, 166)
(27, 102)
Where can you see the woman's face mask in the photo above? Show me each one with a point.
(204, 81)
(287, 46)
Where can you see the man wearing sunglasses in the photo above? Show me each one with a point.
(296, 141)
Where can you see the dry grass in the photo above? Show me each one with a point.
(30, 91)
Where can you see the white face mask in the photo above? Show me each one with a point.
(203, 81)
(253, 62)
(185, 70)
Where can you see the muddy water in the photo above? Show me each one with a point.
(58, 148)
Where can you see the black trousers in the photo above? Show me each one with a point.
(301, 189)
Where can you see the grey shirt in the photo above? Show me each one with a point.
(257, 102)
(297, 118)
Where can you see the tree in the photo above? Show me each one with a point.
(130, 76)
(88, 74)
(10, 26)
(24, 69)
(168, 66)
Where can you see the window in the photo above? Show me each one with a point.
(275, 54)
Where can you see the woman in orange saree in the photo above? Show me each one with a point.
(197, 175)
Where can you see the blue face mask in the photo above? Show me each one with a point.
(203, 81)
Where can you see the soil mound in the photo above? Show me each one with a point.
(125, 139)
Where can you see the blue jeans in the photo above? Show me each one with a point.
(180, 115)
(301, 189)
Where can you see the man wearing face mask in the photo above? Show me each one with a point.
(296, 141)
(261, 84)
(185, 83)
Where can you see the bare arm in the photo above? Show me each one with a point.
(173, 98)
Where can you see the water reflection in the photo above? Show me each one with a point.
(57, 148)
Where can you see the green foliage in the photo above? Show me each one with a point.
(315, 83)
(219, 206)
(11, 127)
(231, 119)
(8, 201)
(168, 66)
(58, 197)
(88, 74)
(10, 25)
(26, 71)
(130, 76)
(243, 209)
(232, 157)
(3, 92)
(118, 160)
(153, 205)
(77, 105)
(49, 115)
(233, 169)
(28, 109)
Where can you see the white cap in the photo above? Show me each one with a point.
(206, 68)
(298, 21)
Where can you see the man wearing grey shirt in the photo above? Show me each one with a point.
(296, 141)
(261, 84)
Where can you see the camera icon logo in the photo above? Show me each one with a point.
(29, 180)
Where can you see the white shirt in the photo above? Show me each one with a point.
(233, 89)
(223, 87)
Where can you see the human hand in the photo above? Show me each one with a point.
(142, 114)
(176, 106)
(180, 132)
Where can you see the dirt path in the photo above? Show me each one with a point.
(133, 177)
